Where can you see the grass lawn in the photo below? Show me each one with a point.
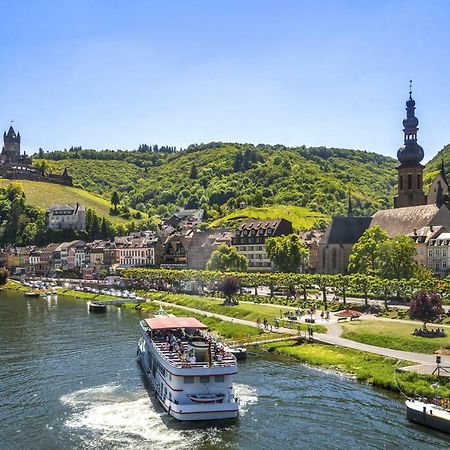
(302, 218)
(246, 311)
(366, 367)
(394, 335)
(43, 195)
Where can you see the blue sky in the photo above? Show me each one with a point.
(115, 74)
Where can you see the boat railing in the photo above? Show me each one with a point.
(175, 360)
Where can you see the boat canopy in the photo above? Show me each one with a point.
(170, 323)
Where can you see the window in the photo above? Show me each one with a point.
(204, 380)
(334, 258)
(444, 264)
(409, 181)
(438, 253)
(401, 182)
(418, 181)
(189, 380)
(444, 253)
(430, 253)
(219, 378)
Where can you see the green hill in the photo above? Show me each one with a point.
(218, 176)
(43, 195)
(301, 218)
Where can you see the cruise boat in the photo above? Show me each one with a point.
(191, 372)
(431, 415)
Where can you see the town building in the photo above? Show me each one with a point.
(311, 238)
(175, 250)
(422, 238)
(250, 240)
(137, 250)
(184, 219)
(64, 216)
(438, 255)
(203, 243)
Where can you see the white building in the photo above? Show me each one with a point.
(137, 250)
(439, 254)
(64, 216)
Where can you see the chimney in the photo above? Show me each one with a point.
(415, 231)
(431, 228)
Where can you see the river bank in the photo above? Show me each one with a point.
(368, 368)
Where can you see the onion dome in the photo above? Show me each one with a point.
(411, 153)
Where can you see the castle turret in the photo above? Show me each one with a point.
(410, 171)
(11, 146)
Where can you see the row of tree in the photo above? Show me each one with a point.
(366, 286)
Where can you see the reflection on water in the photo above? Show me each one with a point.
(69, 379)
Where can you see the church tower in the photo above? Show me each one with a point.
(410, 171)
(11, 146)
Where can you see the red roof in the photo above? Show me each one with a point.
(167, 323)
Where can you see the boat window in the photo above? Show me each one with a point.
(189, 380)
(204, 379)
(220, 378)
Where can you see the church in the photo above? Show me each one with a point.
(413, 210)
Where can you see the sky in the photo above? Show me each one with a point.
(116, 74)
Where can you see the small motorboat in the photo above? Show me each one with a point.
(240, 353)
(97, 307)
(428, 414)
(207, 398)
(31, 294)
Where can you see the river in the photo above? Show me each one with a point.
(69, 379)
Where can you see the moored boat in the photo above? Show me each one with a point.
(32, 294)
(428, 414)
(97, 307)
(191, 372)
(239, 352)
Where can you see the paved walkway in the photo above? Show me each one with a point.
(333, 338)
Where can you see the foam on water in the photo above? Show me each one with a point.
(125, 419)
(247, 396)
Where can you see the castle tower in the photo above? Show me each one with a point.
(410, 171)
(11, 146)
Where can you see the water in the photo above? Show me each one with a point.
(69, 379)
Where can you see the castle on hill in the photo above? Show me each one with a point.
(414, 211)
(17, 166)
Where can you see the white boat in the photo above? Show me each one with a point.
(192, 374)
(428, 414)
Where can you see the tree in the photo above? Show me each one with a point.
(365, 256)
(194, 173)
(397, 258)
(288, 253)
(226, 259)
(229, 286)
(115, 199)
(426, 306)
(4, 275)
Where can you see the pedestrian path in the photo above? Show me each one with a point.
(332, 337)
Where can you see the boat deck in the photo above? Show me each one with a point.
(176, 360)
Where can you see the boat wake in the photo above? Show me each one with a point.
(107, 416)
(247, 396)
(126, 420)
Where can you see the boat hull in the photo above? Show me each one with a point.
(424, 416)
(189, 412)
(97, 307)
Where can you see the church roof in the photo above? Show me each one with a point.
(402, 221)
(345, 230)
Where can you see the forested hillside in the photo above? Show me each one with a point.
(218, 176)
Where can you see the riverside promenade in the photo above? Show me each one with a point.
(424, 363)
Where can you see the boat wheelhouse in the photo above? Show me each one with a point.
(191, 372)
